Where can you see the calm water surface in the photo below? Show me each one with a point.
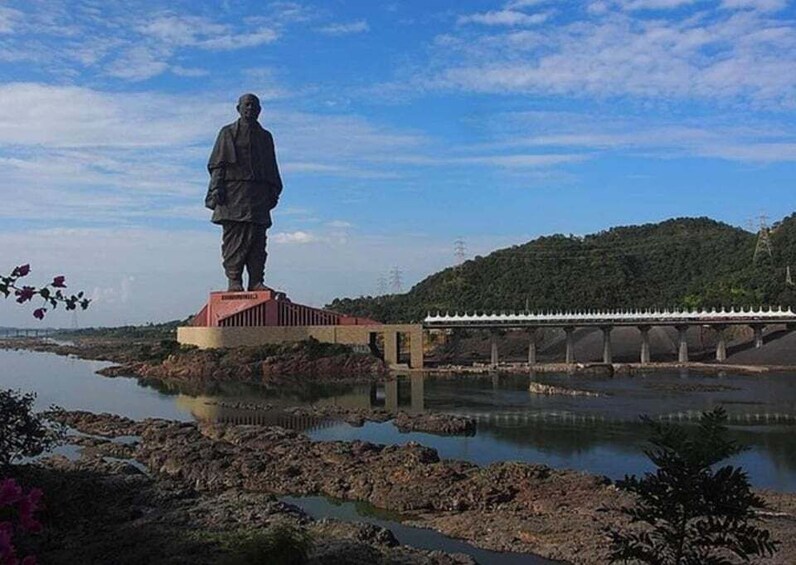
(599, 435)
(423, 538)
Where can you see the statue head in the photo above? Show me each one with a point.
(249, 107)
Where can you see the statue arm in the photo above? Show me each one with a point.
(223, 153)
(277, 185)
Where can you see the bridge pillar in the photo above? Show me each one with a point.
(494, 357)
(645, 344)
(721, 346)
(569, 330)
(532, 347)
(416, 348)
(758, 331)
(682, 344)
(608, 355)
(392, 349)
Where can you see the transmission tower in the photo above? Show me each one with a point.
(381, 286)
(788, 278)
(459, 250)
(396, 280)
(763, 246)
(75, 325)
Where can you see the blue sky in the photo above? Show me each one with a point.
(399, 126)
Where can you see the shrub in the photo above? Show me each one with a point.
(280, 544)
(689, 512)
(24, 433)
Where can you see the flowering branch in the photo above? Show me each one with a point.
(52, 293)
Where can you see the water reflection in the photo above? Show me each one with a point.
(596, 434)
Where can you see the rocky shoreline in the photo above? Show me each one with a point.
(558, 514)
(100, 510)
(269, 365)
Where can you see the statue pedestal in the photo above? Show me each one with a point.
(260, 305)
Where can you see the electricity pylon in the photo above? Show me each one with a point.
(763, 246)
(459, 250)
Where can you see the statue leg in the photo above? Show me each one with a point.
(234, 247)
(255, 260)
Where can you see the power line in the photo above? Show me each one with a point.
(459, 250)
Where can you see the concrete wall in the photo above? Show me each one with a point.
(216, 337)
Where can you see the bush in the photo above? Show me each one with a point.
(24, 433)
(688, 512)
(280, 544)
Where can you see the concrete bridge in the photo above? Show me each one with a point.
(26, 332)
(681, 319)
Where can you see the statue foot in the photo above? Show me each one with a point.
(258, 286)
(235, 286)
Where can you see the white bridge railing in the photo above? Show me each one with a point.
(768, 315)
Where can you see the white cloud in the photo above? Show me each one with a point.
(123, 158)
(761, 5)
(733, 56)
(756, 141)
(504, 18)
(239, 40)
(296, 237)
(188, 71)
(181, 30)
(125, 41)
(138, 63)
(654, 4)
(8, 19)
(520, 4)
(347, 28)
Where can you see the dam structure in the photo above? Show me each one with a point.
(235, 319)
(568, 321)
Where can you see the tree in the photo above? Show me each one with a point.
(23, 433)
(52, 293)
(689, 512)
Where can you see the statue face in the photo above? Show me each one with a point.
(249, 108)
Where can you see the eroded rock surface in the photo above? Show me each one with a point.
(505, 506)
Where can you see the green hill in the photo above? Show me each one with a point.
(682, 262)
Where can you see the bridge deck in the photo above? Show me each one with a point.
(614, 318)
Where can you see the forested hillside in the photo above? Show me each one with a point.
(682, 262)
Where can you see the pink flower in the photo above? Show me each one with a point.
(27, 506)
(24, 294)
(21, 271)
(10, 493)
(59, 282)
(39, 313)
(7, 551)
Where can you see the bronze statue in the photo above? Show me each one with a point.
(244, 187)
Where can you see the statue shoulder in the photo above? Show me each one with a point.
(228, 129)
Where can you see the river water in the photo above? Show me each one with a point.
(601, 435)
